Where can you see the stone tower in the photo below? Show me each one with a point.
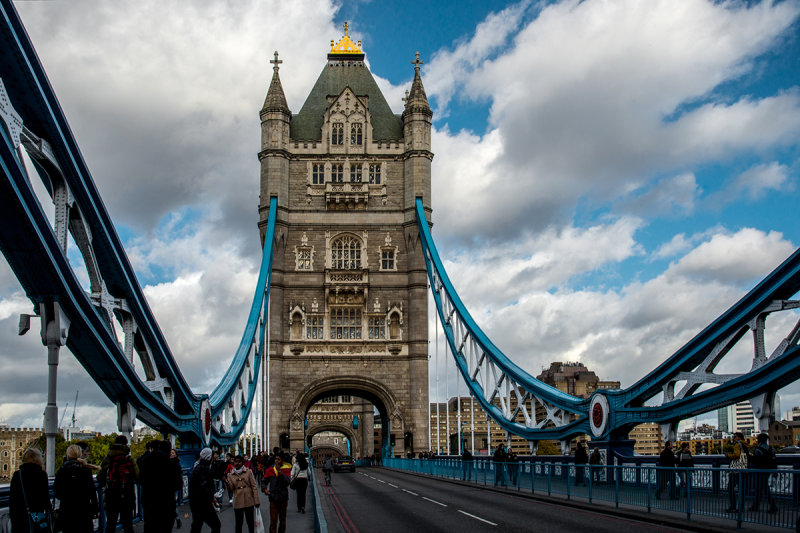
(348, 311)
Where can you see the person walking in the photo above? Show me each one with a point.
(241, 482)
(118, 476)
(160, 479)
(595, 462)
(738, 466)
(173, 456)
(466, 465)
(74, 488)
(763, 459)
(276, 486)
(499, 459)
(327, 468)
(29, 493)
(665, 474)
(299, 480)
(201, 495)
(685, 462)
(581, 458)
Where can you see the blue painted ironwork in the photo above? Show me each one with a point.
(523, 405)
(32, 119)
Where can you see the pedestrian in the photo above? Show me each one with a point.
(512, 465)
(173, 456)
(218, 469)
(276, 486)
(74, 488)
(581, 458)
(160, 478)
(118, 476)
(595, 463)
(327, 468)
(665, 474)
(466, 465)
(738, 466)
(228, 468)
(499, 459)
(84, 458)
(299, 481)
(29, 496)
(241, 481)
(763, 459)
(685, 461)
(201, 494)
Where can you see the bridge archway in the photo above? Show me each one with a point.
(369, 389)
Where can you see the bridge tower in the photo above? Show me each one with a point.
(348, 311)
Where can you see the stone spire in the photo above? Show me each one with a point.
(276, 100)
(417, 101)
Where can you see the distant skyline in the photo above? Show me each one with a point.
(609, 176)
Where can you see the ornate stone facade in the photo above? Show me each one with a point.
(348, 311)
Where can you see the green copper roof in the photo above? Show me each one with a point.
(307, 124)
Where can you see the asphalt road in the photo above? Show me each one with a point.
(374, 499)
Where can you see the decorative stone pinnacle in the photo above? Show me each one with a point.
(275, 62)
(417, 62)
(345, 44)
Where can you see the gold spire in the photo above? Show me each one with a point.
(346, 45)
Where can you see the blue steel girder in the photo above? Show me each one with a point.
(32, 119)
(522, 405)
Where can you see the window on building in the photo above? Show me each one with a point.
(355, 173)
(356, 136)
(375, 174)
(344, 398)
(387, 259)
(5, 467)
(303, 258)
(337, 172)
(345, 323)
(314, 326)
(346, 253)
(377, 327)
(5, 454)
(337, 133)
(329, 399)
(317, 174)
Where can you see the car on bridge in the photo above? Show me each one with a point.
(345, 463)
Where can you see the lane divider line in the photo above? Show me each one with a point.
(408, 491)
(434, 501)
(391, 485)
(477, 517)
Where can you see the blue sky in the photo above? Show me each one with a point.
(625, 170)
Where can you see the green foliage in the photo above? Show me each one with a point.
(548, 447)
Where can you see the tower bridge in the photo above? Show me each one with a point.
(340, 306)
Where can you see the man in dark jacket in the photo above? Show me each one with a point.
(118, 476)
(666, 472)
(276, 486)
(201, 494)
(499, 459)
(160, 478)
(581, 458)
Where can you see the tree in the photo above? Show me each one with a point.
(548, 447)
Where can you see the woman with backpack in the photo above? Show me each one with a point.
(74, 488)
(299, 481)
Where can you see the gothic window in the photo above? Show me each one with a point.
(346, 253)
(375, 174)
(394, 326)
(317, 174)
(303, 258)
(337, 172)
(297, 325)
(344, 398)
(337, 133)
(355, 133)
(314, 325)
(355, 173)
(345, 323)
(377, 327)
(387, 259)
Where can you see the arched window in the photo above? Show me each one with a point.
(356, 135)
(346, 253)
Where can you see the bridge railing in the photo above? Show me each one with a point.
(704, 490)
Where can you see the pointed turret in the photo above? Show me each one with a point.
(276, 100)
(417, 100)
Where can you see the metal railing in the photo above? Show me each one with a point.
(702, 490)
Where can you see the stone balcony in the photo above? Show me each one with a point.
(342, 196)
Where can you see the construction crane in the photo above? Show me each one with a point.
(74, 406)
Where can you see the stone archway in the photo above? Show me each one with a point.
(367, 388)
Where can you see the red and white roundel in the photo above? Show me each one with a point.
(598, 415)
(205, 420)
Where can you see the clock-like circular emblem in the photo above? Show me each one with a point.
(205, 420)
(598, 415)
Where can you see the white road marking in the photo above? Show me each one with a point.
(381, 481)
(408, 491)
(434, 501)
(476, 517)
(395, 486)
